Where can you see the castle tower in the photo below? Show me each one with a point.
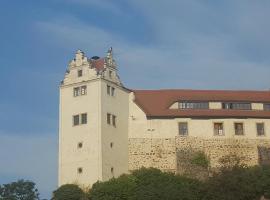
(93, 121)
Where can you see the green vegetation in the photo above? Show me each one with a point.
(20, 190)
(231, 183)
(200, 159)
(69, 192)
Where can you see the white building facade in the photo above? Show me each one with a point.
(106, 130)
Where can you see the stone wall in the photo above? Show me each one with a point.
(174, 154)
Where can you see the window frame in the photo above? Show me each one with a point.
(109, 118)
(179, 130)
(243, 128)
(84, 119)
(80, 73)
(223, 130)
(266, 106)
(78, 120)
(263, 128)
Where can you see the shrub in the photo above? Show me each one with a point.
(69, 192)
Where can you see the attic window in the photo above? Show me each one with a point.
(193, 105)
(237, 106)
(79, 73)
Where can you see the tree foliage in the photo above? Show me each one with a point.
(69, 192)
(238, 183)
(20, 190)
(147, 184)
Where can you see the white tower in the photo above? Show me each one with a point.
(93, 121)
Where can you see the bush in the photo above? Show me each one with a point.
(69, 192)
(147, 184)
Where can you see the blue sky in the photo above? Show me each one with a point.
(158, 44)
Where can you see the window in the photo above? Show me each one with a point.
(78, 91)
(108, 118)
(80, 145)
(76, 120)
(112, 170)
(110, 74)
(83, 90)
(111, 144)
(80, 170)
(79, 119)
(110, 90)
(79, 73)
(218, 129)
(193, 105)
(266, 106)
(239, 128)
(183, 128)
(260, 129)
(237, 106)
(84, 118)
(113, 120)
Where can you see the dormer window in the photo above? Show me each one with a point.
(79, 73)
(236, 106)
(266, 106)
(193, 105)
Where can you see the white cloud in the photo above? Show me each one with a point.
(197, 45)
(31, 157)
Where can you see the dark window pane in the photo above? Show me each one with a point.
(76, 120)
(266, 106)
(108, 90)
(183, 128)
(239, 128)
(108, 118)
(79, 73)
(260, 129)
(114, 120)
(218, 129)
(84, 118)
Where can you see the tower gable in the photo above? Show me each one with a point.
(82, 68)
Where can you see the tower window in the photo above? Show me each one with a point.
(218, 129)
(260, 129)
(110, 74)
(76, 120)
(110, 90)
(80, 145)
(108, 118)
(239, 128)
(80, 170)
(84, 118)
(83, 90)
(183, 128)
(79, 119)
(114, 120)
(78, 91)
(79, 73)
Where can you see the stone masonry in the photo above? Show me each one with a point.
(174, 154)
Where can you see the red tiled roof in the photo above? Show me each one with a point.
(156, 103)
(98, 64)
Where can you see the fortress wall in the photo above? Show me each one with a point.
(174, 154)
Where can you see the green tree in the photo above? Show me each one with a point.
(20, 190)
(147, 184)
(239, 183)
(69, 192)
